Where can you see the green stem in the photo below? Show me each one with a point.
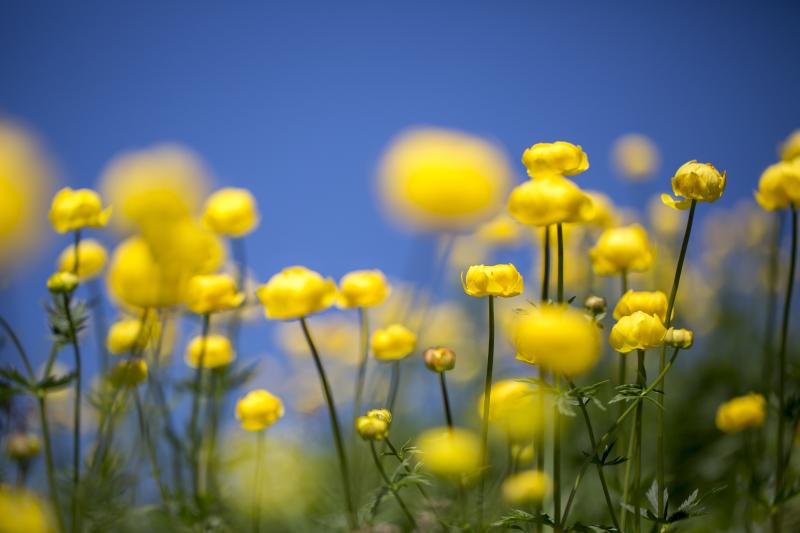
(76, 430)
(337, 434)
(446, 399)
(560, 249)
(409, 471)
(194, 434)
(151, 451)
(394, 386)
(48, 456)
(771, 301)
(391, 487)
(557, 456)
(362, 364)
(487, 401)
(256, 509)
(641, 379)
(539, 444)
(240, 258)
(76, 245)
(546, 265)
(217, 376)
(100, 329)
(18, 345)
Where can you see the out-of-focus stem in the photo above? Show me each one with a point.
(194, 434)
(363, 358)
(487, 400)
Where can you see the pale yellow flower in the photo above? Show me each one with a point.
(635, 156)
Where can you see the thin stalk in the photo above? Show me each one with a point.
(487, 401)
(76, 430)
(76, 245)
(546, 264)
(363, 358)
(557, 457)
(771, 301)
(217, 376)
(48, 456)
(394, 386)
(446, 399)
(194, 434)
(18, 345)
(255, 511)
(151, 451)
(337, 434)
(621, 358)
(626, 482)
(641, 379)
(389, 484)
(409, 471)
(539, 444)
(560, 250)
(240, 258)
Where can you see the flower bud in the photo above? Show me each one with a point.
(62, 283)
(439, 359)
(232, 212)
(595, 305)
(528, 487)
(742, 412)
(372, 427)
(258, 409)
(380, 414)
(23, 446)
(679, 338)
(76, 209)
(392, 343)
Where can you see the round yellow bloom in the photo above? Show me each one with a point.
(679, 338)
(439, 359)
(555, 159)
(526, 488)
(450, 452)
(502, 230)
(23, 512)
(652, 303)
(393, 342)
(62, 282)
(128, 373)
(443, 180)
(492, 280)
(231, 212)
(550, 200)
(258, 409)
(695, 181)
(635, 156)
(559, 339)
(372, 428)
(218, 351)
(380, 414)
(742, 412)
(77, 209)
(638, 331)
(603, 213)
(295, 292)
(790, 149)
(23, 446)
(363, 288)
(92, 258)
(623, 249)
(212, 293)
(123, 335)
(514, 408)
(779, 186)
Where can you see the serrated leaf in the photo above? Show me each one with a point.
(51, 383)
(518, 517)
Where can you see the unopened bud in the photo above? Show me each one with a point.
(679, 338)
(22, 446)
(380, 414)
(439, 359)
(372, 428)
(62, 282)
(595, 305)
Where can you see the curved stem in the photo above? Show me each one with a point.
(446, 399)
(48, 456)
(409, 471)
(76, 408)
(362, 364)
(389, 484)
(18, 345)
(394, 386)
(487, 400)
(194, 435)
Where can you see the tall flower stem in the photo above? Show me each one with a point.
(771, 301)
(487, 401)
(446, 399)
(560, 251)
(255, 510)
(151, 451)
(546, 264)
(18, 345)
(394, 386)
(76, 429)
(363, 321)
(194, 433)
(98, 315)
(48, 457)
(216, 400)
(545, 295)
(777, 518)
(641, 380)
(337, 434)
(621, 372)
(557, 379)
(390, 486)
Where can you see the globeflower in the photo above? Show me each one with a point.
(212, 293)
(24, 512)
(603, 214)
(450, 452)
(635, 156)
(554, 159)
(638, 331)
(92, 258)
(679, 338)
(363, 288)
(62, 283)
(231, 212)
(492, 280)
(439, 359)
(73, 210)
(393, 342)
(128, 373)
(124, 335)
(514, 408)
(779, 186)
(22, 446)
(651, 303)
(374, 425)
(296, 292)
(742, 412)
(526, 488)
(214, 350)
(550, 200)
(620, 250)
(258, 410)
(790, 149)
(695, 181)
(502, 230)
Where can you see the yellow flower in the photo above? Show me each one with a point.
(695, 181)
(380, 414)
(363, 288)
(62, 282)
(92, 258)
(551, 200)
(664, 220)
(679, 338)
(258, 409)
(393, 342)
(603, 212)
(123, 335)
(295, 292)
(742, 412)
(23, 512)
(651, 303)
(523, 454)
(218, 351)
(790, 149)
(128, 373)
(212, 293)
(502, 230)
(439, 359)
(450, 452)
(623, 249)
(514, 408)
(231, 212)
(638, 331)
(779, 186)
(77, 209)
(23, 446)
(555, 159)
(635, 156)
(526, 488)
(559, 339)
(443, 180)
(372, 428)
(492, 280)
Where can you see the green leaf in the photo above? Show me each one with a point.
(52, 383)
(517, 518)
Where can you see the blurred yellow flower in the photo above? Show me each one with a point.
(393, 342)
(22, 446)
(218, 351)
(92, 258)
(742, 412)
(77, 209)
(622, 249)
(363, 288)
(439, 359)
(334, 336)
(550, 200)
(23, 512)
(442, 179)
(231, 212)
(62, 282)
(128, 373)
(695, 181)
(514, 409)
(124, 335)
(450, 452)
(502, 230)
(295, 292)
(559, 339)
(526, 488)
(637, 331)
(790, 148)
(372, 427)
(635, 156)
(258, 409)
(603, 213)
(779, 186)
(664, 220)
(523, 453)
(554, 159)
(651, 303)
(212, 293)
(492, 280)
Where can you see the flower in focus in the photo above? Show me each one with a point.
(551, 200)
(214, 350)
(502, 230)
(440, 179)
(92, 258)
(558, 339)
(679, 338)
(779, 186)
(295, 292)
(231, 212)
(439, 359)
(622, 249)
(635, 156)
(77, 209)
(514, 408)
(23, 512)
(492, 280)
(393, 342)
(695, 181)
(554, 159)
(651, 303)
(23, 446)
(258, 409)
(128, 373)
(212, 293)
(62, 282)
(363, 288)
(374, 425)
(637, 331)
(526, 488)
(742, 412)
(450, 451)
(790, 149)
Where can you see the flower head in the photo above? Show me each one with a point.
(124, 335)
(128, 373)
(393, 342)
(258, 409)
(380, 414)
(695, 181)
(635, 156)
(363, 288)
(231, 212)
(526, 488)
(450, 452)
(214, 350)
(439, 359)
(595, 305)
(637, 331)
(77, 209)
(790, 149)
(679, 338)
(502, 230)
(492, 280)
(779, 186)
(24, 512)
(550, 200)
(374, 425)
(92, 258)
(742, 412)
(622, 249)
(554, 159)
(514, 408)
(212, 293)
(22, 446)
(651, 303)
(604, 213)
(295, 292)
(62, 283)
